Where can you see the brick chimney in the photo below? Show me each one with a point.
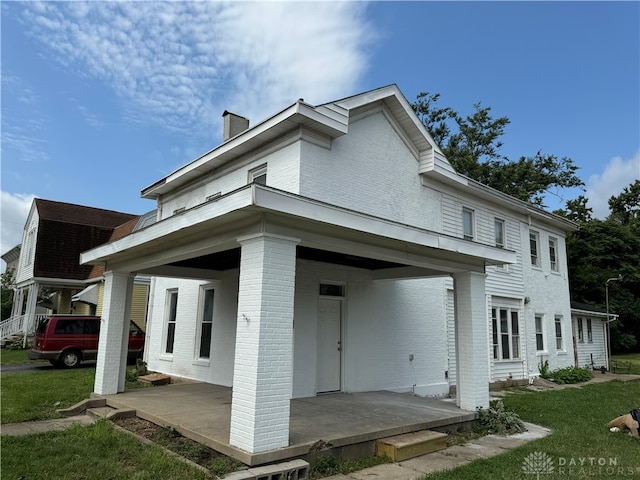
(233, 125)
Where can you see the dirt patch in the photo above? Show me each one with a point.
(171, 439)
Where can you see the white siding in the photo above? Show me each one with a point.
(27, 255)
(590, 353)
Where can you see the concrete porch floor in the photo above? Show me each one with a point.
(202, 412)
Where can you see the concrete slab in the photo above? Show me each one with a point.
(29, 428)
(385, 472)
(202, 412)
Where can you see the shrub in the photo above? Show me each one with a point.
(570, 375)
(499, 420)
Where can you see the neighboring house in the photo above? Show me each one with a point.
(49, 277)
(590, 335)
(333, 248)
(11, 258)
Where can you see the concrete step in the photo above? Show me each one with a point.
(111, 413)
(409, 445)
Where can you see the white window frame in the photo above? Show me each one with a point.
(589, 331)
(256, 173)
(580, 331)
(534, 246)
(500, 242)
(470, 213)
(204, 320)
(539, 332)
(553, 254)
(31, 241)
(512, 334)
(170, 323)
(559, 335)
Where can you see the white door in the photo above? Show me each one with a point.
(329, 345)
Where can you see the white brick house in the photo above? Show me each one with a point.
(334, 248)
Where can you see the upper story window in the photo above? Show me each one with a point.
(534, 242)
(31, 243)
(467, 224)
(553, 253)
(498, 226)
(258, 175)
(179, 210)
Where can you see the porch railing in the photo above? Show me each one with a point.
(16, 325)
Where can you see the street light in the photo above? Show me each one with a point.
(606, 295)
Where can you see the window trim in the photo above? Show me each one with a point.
(541, 332)
(559, 339)
(256, 173)
(202, 302)
(534, 236)
(499, 221)
(168, 321)
(580, 330)
(471, 212)
(553, 254)
(513, 339)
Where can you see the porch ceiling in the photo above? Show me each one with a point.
(206, 236)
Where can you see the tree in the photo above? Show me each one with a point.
(472, 144)
(603, 249)
(7, 281)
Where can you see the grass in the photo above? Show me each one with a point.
(97, 449)
(37, 395)
(13, 357)
(578, 419)
(634, 358)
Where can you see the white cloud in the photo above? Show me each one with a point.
(180, 64)
(14, 209)
(617, 174)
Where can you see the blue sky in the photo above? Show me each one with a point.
(101, 99)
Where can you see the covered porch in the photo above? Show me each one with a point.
(347, 422)
(263, 234)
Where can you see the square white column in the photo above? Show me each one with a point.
(263, 369)
(472, 341)
(114, 333)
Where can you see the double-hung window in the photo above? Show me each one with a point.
(506, 334)
(171, 313)
(553, 254)
(206, 323)
(589, 331)
(539, 333)
(559, 341)
(580, 331)
(467, 224)
(499, 233)
(534, 242)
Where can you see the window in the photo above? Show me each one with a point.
(172, 307)
(553, 254)
(559, 342)
(467, 224)
(539, 334)
(31, 241)
(506, 334)
(213, 197)
(533, 246)
(179, 210)
(332, 290)
(499, 232)
(589, 331)
(206, 324)
(580, 332)
(258, 175)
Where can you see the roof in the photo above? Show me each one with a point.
(586, 307)
(65, 230)
(12, 254)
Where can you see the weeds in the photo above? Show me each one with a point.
(498, 420)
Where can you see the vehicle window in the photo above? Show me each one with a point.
(134, 329)
(69, 327)
(92, 327)
(41, 327)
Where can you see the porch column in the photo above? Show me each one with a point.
(472, 342)
(30, 313)
(114, 333)
(18, 302)
(263, 368)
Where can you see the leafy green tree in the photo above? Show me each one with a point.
(603, 249)
(7, 281)
(472, 146)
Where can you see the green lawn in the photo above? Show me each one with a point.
(578, 419)
(96, 451)
(634, 358)
(12, 357)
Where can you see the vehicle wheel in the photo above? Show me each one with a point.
(70, 359)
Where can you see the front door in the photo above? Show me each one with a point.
(329, 345)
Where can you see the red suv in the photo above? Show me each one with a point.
(67, 340)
